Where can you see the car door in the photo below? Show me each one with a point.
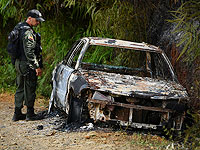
(61, 81)
(61, 75)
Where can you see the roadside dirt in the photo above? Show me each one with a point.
(42, 134)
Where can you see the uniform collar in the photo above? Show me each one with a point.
(26, 24)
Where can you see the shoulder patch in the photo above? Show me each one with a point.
(30, 37)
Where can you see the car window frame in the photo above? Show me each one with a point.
(68, 59)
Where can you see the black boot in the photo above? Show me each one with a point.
(18, 115)
(30, 115)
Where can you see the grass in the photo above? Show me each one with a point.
(151, 141)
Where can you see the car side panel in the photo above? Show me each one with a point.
(60, 84)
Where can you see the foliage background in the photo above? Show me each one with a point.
(134, 20)
(171, 24)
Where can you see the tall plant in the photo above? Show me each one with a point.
(187, 19)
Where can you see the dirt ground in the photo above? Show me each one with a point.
(42, 134)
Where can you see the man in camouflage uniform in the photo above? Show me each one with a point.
(28, 66)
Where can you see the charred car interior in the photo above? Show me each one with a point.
(130, 84)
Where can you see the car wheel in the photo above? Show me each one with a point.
(177, 116)
(75, 109)
(175, 124)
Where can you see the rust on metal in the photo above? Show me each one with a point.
(138, 107)
(135, 96)
(124, 44)
(128, 85)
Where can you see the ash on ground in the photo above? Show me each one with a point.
(58, 121)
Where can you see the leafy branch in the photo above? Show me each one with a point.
(187, 19)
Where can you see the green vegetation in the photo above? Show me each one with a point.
(187, 20)
(192, 136)
(153, 142)
(187, 24)
(57, 40)
(69, 20)
(7, 72)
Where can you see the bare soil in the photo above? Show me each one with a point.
(42, 134)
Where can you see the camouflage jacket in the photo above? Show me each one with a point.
(29, 46)
(29, 49)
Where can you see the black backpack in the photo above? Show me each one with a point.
(13, 47)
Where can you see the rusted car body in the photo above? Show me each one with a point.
(124, 87)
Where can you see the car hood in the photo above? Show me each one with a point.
(133, 86)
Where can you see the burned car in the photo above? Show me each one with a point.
(127, 83)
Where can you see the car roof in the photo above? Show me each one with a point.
(122, 44)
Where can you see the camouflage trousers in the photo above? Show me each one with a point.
(26, 82)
